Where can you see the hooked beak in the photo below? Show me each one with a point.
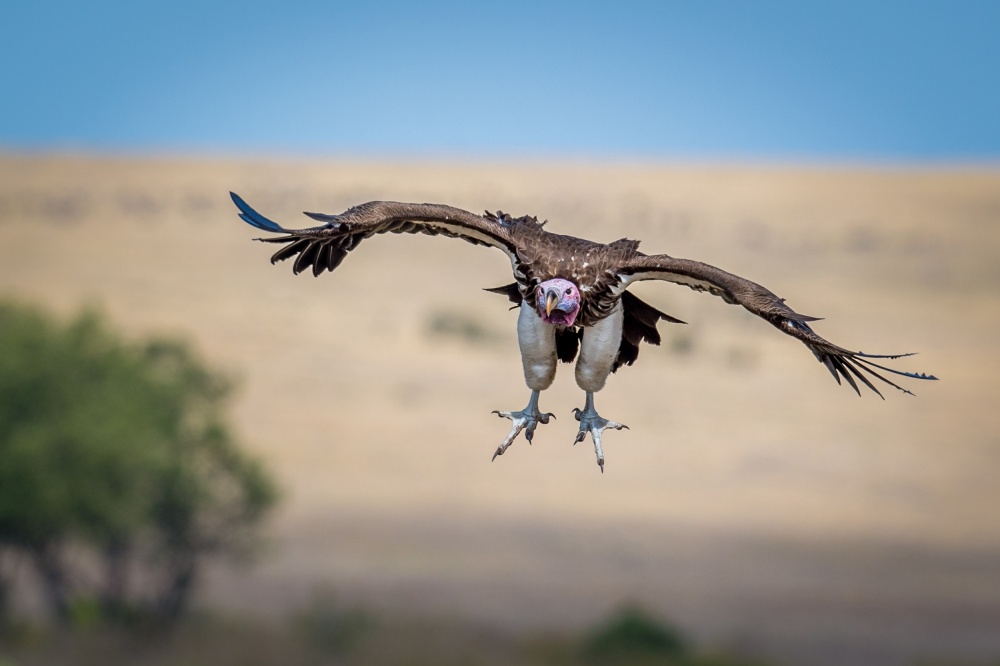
(551, 300)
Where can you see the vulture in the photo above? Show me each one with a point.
(572, 296)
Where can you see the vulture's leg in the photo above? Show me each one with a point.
(598, 350)
(527, 420)
(594, 423)
(537, 341)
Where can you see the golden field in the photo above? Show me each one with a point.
(753, 502)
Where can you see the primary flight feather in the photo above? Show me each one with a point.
(572, 296)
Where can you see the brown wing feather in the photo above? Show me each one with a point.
(638, 325)
(324, 247)
(511, 291)
(841, 362)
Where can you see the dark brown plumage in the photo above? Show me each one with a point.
(601, 271)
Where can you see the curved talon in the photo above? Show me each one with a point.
(593, 423)
(527, 420)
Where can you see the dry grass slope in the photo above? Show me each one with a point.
(753, 500)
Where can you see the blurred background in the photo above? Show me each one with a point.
(206, 459)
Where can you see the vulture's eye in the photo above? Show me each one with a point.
(569, 291)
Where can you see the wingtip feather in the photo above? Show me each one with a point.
(253, 218)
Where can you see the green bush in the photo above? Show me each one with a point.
(632, 635)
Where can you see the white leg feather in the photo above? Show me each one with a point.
(537, 341)
(598, 350)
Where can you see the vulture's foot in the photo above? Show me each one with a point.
(527, 420)
(595, 424)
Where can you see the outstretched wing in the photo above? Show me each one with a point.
(840, 362)
(325, 246)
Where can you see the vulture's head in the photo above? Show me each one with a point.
(558, 302)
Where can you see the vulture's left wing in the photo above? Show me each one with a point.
(760, 301)
(324, 247)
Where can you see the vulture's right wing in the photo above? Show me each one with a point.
(325, 246)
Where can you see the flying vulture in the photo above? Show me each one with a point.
(571, 294)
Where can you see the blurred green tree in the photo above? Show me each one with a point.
(115, 458)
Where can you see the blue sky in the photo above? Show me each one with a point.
(874, 80)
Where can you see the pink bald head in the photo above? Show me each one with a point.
(558, 302)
